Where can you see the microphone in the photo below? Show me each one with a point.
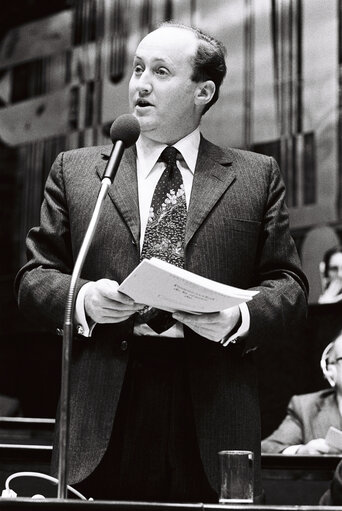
(124, 132)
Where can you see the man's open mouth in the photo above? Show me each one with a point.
(143, 103)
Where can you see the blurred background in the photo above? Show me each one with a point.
(64, 71)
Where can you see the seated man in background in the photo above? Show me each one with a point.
(309, 416)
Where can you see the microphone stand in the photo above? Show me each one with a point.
(67, 341)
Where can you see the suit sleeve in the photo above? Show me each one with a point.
(281, 304)
(290, 431)
(42, 284)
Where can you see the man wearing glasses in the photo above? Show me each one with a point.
(309, 416)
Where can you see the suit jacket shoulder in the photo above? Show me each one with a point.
(234, 155)
(318, 399)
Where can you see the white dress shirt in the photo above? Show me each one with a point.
(149, 170)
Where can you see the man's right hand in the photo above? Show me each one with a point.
(103, 302)
(317, 446)
(332, 294)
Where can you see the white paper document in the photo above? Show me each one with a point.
(334, 437)
(165, 286)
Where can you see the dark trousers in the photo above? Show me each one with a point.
(153, 453)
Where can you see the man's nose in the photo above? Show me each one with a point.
(144, 83)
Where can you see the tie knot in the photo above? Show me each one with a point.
(169, 155)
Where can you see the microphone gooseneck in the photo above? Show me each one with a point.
(124, 132)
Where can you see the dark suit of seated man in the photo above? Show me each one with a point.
(309, 416)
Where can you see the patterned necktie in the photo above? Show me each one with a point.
(165, 230)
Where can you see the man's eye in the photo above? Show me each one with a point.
(162, 71)
(138, 69)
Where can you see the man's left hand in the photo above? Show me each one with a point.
(214, 325)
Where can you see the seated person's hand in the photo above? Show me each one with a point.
(332, 294)
(103, 302)
(317, 446)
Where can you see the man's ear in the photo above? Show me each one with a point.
(331, 375)
(204, 92)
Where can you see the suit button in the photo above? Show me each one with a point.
(124, 345)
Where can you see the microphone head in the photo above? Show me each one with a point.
(126, 128)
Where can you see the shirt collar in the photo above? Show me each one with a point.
(148, 151)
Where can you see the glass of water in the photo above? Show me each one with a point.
(236, 472)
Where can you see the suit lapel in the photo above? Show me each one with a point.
(211, 179)
(124, 190)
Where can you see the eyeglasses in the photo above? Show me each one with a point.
(334, 269)
(334, 362)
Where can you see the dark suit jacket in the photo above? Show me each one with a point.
(237, 233)
(309, 416)
(10, 407)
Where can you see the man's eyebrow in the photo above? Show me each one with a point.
(332, 362)
(155, 60)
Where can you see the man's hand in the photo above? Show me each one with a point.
(332, 294)
(103, 302)
(317, 446)
(214, 325)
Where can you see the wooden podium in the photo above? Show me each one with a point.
(287, 480)
(71, 505)
(76, 505)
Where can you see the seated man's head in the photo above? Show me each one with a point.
(331, 363)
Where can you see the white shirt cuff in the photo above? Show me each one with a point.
(291, 449)
(245, 322)
(242, 330)
(83, 327)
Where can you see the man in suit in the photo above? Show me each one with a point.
(150, 410)
(309, 416)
